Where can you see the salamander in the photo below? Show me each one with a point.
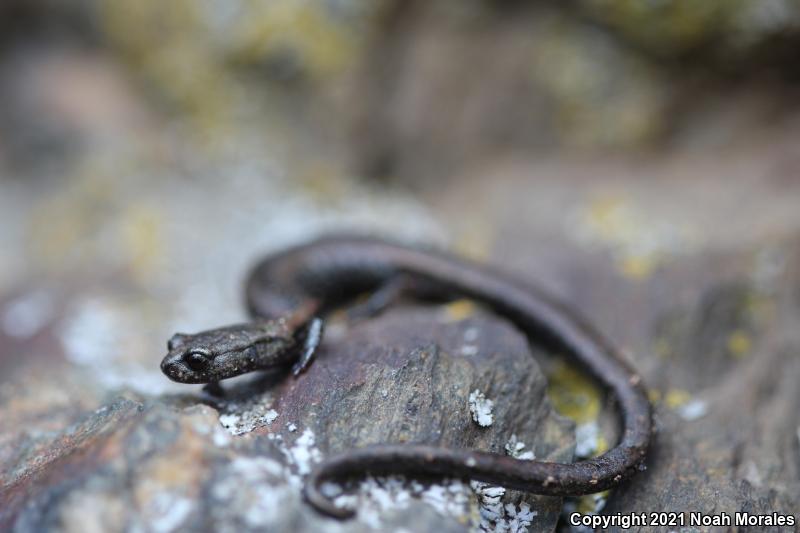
(290, 292)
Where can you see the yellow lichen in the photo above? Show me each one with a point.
(476, 241)
(639, 242)
(192, 53)
(142, 232)
(591, 503)
(573, 394)
(675, 398)
(669, 26)
(459, 310)
(613, 221)
(739, 344)
(662, 348)
(318, 43)
(654, 395)
(601, 446)
(638, 267)
(322, 182)
(62, 226)
(610, 216)
(593, 106)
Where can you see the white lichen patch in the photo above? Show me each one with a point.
(471, 334)
(92, 333)
(252, 493)
(25, 316)
(241, 418)
(299, 457)
(254, 467)
(516, 449)
(490, 500)
(498, 517)
(693, 410)
(303, 454)
(376, 495)
(481, 408)
(517, 518)
(167, 511)
(450, 498)
(91, 509)
(200, 424)
(470, 348)
(477, 503)
(97, 333)
(220, 438)
(229, 422)
(330, 489)
(587, 439)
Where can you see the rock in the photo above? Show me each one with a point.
(164, 463)
(733, 446)
(706, 311)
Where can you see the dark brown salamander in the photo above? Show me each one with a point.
(286, 293)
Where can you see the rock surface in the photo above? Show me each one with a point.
(150, 154)
(705, 306)
(173, 462)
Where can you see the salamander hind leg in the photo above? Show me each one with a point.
(394, 289)
(311, 337)
(377, 302)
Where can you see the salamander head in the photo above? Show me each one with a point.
(221, 353)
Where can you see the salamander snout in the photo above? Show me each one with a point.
(187, 362)
(175, 367)
(170, 366)
(192, 366)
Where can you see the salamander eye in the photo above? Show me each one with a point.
(197, 360)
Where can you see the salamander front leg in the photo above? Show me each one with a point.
(214, 389)
(312, 337)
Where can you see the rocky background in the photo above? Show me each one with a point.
(639, 159)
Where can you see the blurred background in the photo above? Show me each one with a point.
(149, 152)
(639, 158)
